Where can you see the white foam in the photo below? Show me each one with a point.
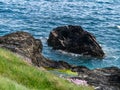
(118, 26)
(68, 53)
(111, 52)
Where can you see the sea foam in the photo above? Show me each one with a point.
(118, 26)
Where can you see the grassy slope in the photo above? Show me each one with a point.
(7, 84)
(18, 75)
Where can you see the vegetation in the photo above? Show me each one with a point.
(15, 74)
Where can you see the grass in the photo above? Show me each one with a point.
(68, 72)
(15, 74)
(7, 84)
(64, 71)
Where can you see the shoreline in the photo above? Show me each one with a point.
(105, 78)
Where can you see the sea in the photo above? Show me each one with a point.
(39, 17)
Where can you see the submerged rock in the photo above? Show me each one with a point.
(74, 39)
(26, 45)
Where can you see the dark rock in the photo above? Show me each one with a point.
(26, 45)
(80, 69)
(22, 43)
(103, 79)
(74, 39)
(64, 65)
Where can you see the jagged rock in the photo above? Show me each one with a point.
(74, 39)
(103, 79)
(21, 42)
(26, 45)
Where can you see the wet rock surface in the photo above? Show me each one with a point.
(102, 79)
(76, 40)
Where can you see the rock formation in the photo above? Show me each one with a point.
(102, 79)
(74, 39)
(26, 45)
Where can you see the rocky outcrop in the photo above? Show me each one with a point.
(74, 39)
(26, 45)
(102, 79)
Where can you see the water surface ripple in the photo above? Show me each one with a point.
(39, 17)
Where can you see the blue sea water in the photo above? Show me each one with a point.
(39, 17)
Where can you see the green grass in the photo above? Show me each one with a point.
(15, 74)
(68, 72)
(7, 84)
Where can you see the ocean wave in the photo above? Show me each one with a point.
(113, 26)
(118, 26)
(39, 17)
(72, 54)
(69, 54)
